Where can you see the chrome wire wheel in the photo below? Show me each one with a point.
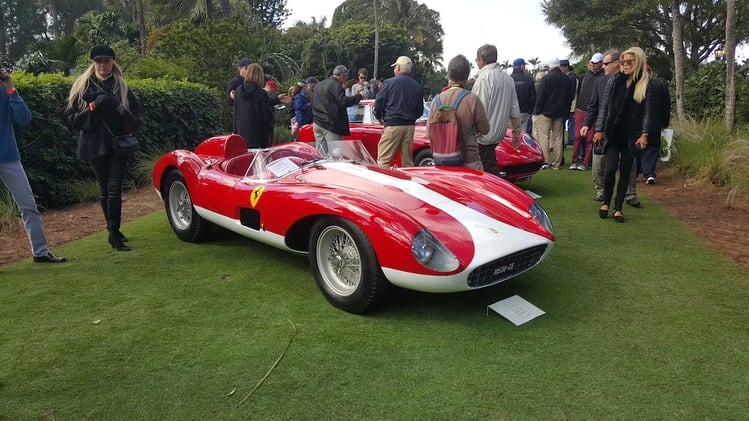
(339, 261)
(180, 205)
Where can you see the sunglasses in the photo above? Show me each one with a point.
(362, 77)
(606, 63)
(626, 62)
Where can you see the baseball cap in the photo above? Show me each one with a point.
(102, 51)
(597, 58)
(272, 84)
(518, 62)
(402, 60)
(244, 62)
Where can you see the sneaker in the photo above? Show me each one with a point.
(582, 167)
(634, 202)
(545, 166)
(650, 180)
(598, 198)
(574, 166)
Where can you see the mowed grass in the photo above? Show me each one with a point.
(643, 321)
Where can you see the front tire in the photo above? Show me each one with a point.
(183, 218)
(424, 158)
(345, 266)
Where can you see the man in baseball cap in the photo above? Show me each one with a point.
(518, 62)
(597, 58)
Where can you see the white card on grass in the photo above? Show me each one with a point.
(516, 309)
(533, 195)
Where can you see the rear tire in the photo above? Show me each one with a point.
(345, 266)
(180, 212)
(424, 158)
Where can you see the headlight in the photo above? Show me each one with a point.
(540, 215)
(431, 253)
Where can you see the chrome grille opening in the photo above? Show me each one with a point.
(506, 267)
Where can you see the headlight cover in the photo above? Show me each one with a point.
(431, 253)
(540, 215)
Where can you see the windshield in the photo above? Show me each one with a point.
(278, 161)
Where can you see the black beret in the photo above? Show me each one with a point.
(101, 51)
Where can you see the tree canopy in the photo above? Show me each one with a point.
(597, 25)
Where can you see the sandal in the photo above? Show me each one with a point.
(618, 215)
(603, 211)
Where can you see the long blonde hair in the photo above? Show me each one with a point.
(75, 98)
(639, 75)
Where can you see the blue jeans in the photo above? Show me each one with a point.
(14, 177)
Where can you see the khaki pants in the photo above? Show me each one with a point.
(549, 132)
(394, 139)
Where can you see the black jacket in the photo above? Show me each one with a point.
(586, 87)
(329, 103)
(253, 115)
(95, 138)
(660, 107)
(620, 117)
(591, 113)
(233, 84)
(525, 89)
(554, 95)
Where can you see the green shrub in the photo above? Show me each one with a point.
(174, 113)
(705, 92)
(8, 210)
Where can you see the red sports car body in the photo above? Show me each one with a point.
(364, 227)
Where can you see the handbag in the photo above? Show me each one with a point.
(125, 144)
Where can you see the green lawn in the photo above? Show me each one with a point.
(643, 321)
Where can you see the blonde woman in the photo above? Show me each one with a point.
(623, 121)
(102, 106)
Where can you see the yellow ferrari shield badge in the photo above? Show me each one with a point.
(256, 193)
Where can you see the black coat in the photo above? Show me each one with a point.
(253, 115)
(525, 89)
(95, 138)
(620, 117)
(554, 95)
(329, 103)
(660, 106)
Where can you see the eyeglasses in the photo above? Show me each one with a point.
(626, 62)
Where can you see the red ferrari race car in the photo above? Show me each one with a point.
(515, 164)
(433, 229)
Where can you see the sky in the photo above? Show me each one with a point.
(516, 27)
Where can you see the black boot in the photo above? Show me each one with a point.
(114, 216)
(115, 241)
(103, 203)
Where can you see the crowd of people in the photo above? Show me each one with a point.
(614, 113)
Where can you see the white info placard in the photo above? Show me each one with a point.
(516, 310)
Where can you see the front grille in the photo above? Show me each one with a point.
(506, 267)
(522, 168)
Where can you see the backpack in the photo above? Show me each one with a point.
(444, 132)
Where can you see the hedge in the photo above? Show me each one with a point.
(175, 115)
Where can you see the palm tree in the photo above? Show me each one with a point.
(678, 45)
(730, 53)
